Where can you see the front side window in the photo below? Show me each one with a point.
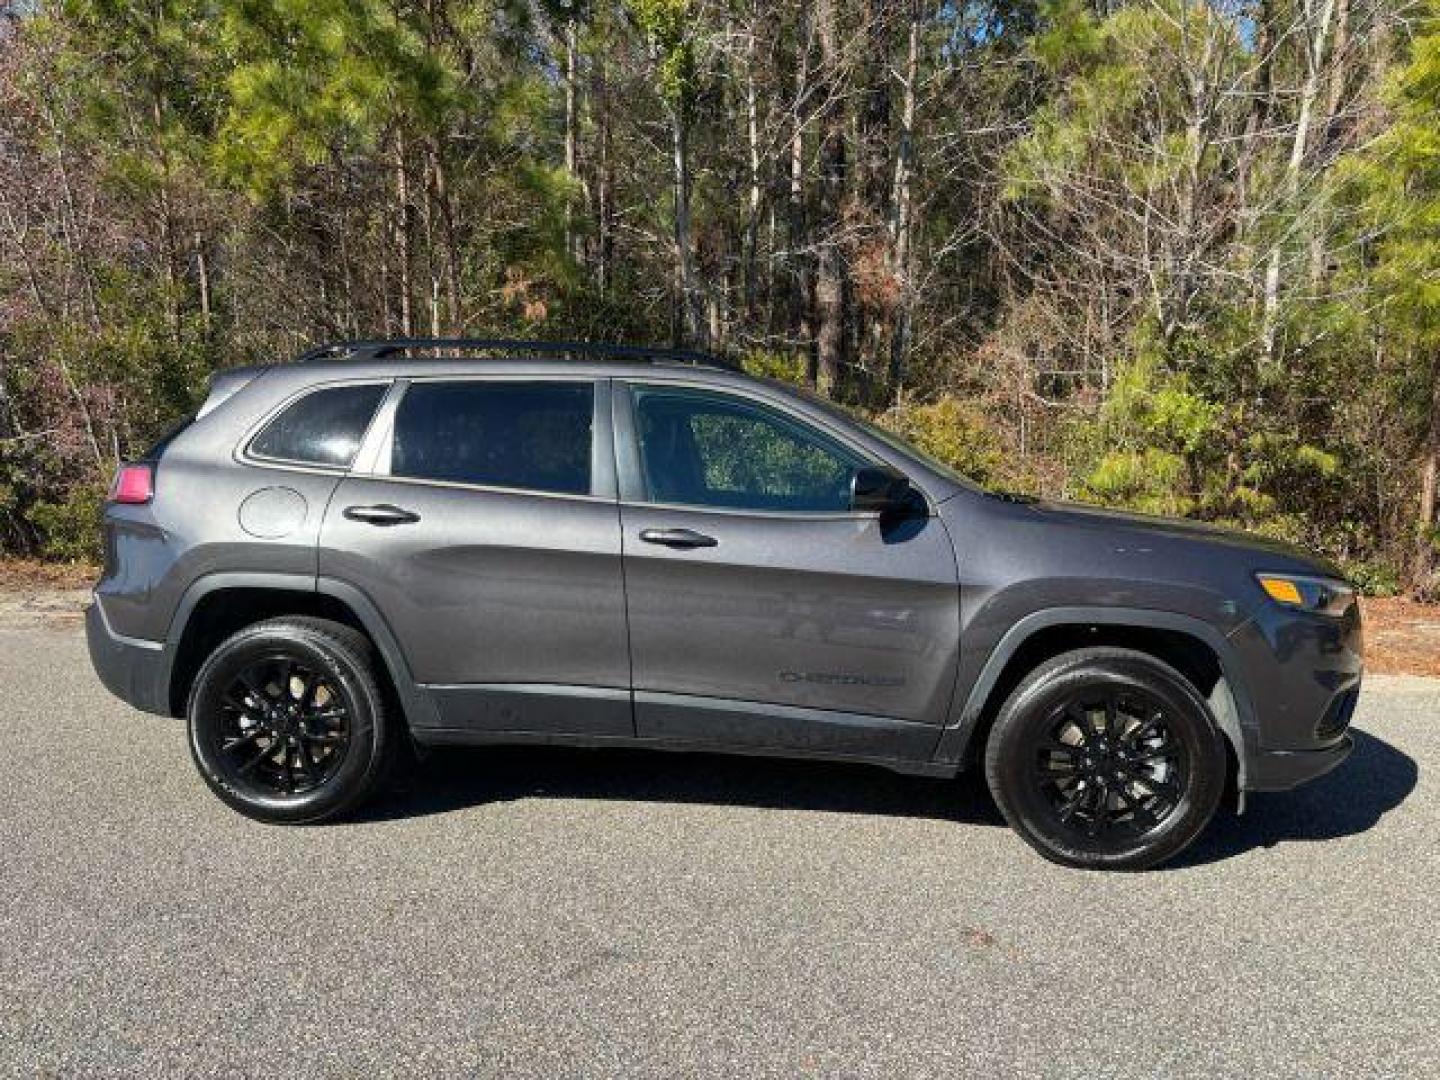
(700, 448)
(322, 428)
(533, 436)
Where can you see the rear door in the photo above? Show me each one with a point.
(763, 611)
(484, 527)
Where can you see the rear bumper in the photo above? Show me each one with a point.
(135, 671)
(1281, 770)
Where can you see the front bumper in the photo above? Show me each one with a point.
(1303, 672)
(133, 670)
(1281, 770)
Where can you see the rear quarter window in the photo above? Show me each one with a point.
(325, 427)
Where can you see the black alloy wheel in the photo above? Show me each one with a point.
(1106, 758)
(288, 722)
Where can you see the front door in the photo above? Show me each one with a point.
(763, 612)
(487, 534)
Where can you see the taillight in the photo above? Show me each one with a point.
(133, 484)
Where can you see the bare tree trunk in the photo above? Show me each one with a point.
(1423, 575)
(797, 224)
(572, 125)
(1261, 104)
(202, 271)
(1317, 33)
(692, 307)
(452, 247)
(167, 228)
(830, 271)
(901, 207)
(752, 131)
(870, 314)
(402, 229)
(605, 182)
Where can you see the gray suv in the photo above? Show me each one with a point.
(427, 543)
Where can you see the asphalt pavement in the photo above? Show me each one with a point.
(558, 913)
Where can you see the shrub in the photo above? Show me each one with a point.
(71, 529)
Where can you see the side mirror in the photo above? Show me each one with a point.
(875, 488)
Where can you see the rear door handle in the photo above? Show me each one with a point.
(677, 538)
(381, 514)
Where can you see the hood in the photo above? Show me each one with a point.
(1268, 553)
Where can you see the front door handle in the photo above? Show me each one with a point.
(381, 514)
(677, 538)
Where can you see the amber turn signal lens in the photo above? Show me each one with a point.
(1282, 591)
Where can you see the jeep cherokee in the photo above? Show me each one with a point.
(440, 542)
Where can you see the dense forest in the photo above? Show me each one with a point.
(1167, 254)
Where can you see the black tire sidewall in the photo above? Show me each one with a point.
(366, 750)
(1024, 719)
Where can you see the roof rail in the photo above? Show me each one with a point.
(379, 349)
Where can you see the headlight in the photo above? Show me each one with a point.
(1323, 596)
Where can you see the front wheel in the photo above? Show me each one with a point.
(287, 721)
(1106, 758)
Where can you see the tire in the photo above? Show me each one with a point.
(288, 723)
(1133, 792)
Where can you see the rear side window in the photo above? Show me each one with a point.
(534, 436)
(322, 428)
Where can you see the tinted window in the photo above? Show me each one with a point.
(322, 428)
(499, 434)
(704, 449)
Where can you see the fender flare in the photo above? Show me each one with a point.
(419, 709)
(1230, 703)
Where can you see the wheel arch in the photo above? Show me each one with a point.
(218, 605)
(1198, 650)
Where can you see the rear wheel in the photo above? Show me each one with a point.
(287, 722)
(1106, 758)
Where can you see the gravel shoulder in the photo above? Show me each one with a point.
(526, 912)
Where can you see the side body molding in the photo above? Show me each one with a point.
(1231, 704)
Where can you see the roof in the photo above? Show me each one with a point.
(432, 349)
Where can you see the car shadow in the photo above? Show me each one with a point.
(456, 778)
(1373, 781)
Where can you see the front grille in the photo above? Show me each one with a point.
(1337, 716)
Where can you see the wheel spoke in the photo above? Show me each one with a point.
(256, 690)
(1072, 805)
(1159, 787)
(258, 758)
(307, 695)
(306, 763)
(242, 741)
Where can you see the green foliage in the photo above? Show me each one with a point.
(189, 185)
(668, 26)
(313, 77)
(953, 432)
(71, 528)
(1150, 479)
(781, 366)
